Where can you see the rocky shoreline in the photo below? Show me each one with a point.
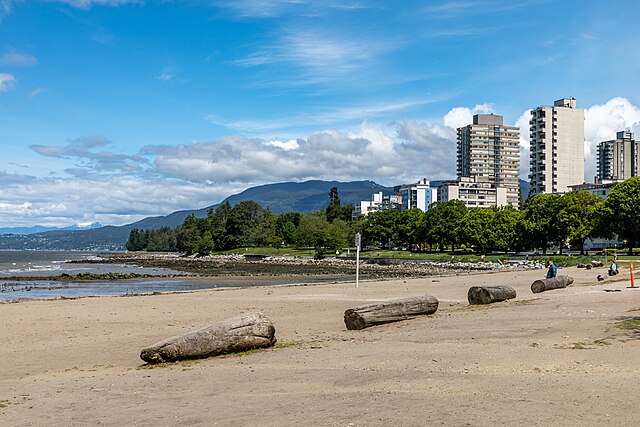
(238, 265)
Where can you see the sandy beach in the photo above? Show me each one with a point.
(555, 358)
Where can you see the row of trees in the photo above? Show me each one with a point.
(248, 224)
(545, 220)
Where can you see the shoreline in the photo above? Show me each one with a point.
(556, 358)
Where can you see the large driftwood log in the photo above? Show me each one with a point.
(489, 294)
(389, 311)
(241, 333)
(552, 283)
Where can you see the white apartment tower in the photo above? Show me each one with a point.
(557, 147)
(489, 153)
(618, 159)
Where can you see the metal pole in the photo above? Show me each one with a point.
(358, 242)
(357, 266)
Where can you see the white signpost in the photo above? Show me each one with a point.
(358, 241)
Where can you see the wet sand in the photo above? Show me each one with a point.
(555, 358)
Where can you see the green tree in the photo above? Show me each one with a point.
(335, 210)
(312, 230)
(286, 225)
(576, 217)
(476, 229)
(506, 226)
(187, 235)
(442, 222)
(247, 224)
(408, 227)
(136, 241)
(205, 244)
(540, 221)
(381, 227)
(620, 212)
(337, 235)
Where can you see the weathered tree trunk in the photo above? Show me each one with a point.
(389, 311)
(489, 294)
(241, 333)
(552, 283)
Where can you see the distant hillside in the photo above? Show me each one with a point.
(41, 229)
(281, 197)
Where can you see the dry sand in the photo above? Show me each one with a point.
(554, 358)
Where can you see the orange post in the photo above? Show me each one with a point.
(631, 271)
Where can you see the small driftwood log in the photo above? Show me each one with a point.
(389, 311)
(246, 332)
(552, 283)
(489, 294)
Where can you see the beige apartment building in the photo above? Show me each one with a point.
(474, 194)
(489, 153)
(557, 147)
(618, 159)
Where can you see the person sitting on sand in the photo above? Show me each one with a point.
(552, 271)
(613, 270)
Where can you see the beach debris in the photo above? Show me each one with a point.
(557, 282)
(490, 294)
(242, 333)
(389, 311)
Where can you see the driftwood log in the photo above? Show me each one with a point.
(246, 332)
(489, 294)
(557, 282)
(389, 311)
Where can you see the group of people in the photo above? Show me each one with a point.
(552, 270)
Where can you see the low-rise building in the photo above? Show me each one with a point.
(474, 194)
(365, 207)
(409, 196)
(416, 196)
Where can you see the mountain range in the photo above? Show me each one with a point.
(283, 197)
(279, 198)
(41, 229)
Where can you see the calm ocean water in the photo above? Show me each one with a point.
(36, 264)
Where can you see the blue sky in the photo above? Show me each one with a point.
(114, 110)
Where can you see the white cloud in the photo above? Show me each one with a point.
(108, 200)
(37, 91)
(317, 56)
(462, 116)
(7, 82)
(166, 75)
(87, 4)
(5, 8)
(90, 161)
(602, 121)
(17, 59)
(113, 188)
(320, 118)
(274, 8)
(525, 149)
(285, 145)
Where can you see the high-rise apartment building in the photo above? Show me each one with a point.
(557, 147)
(618, 159)
(488, 152)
